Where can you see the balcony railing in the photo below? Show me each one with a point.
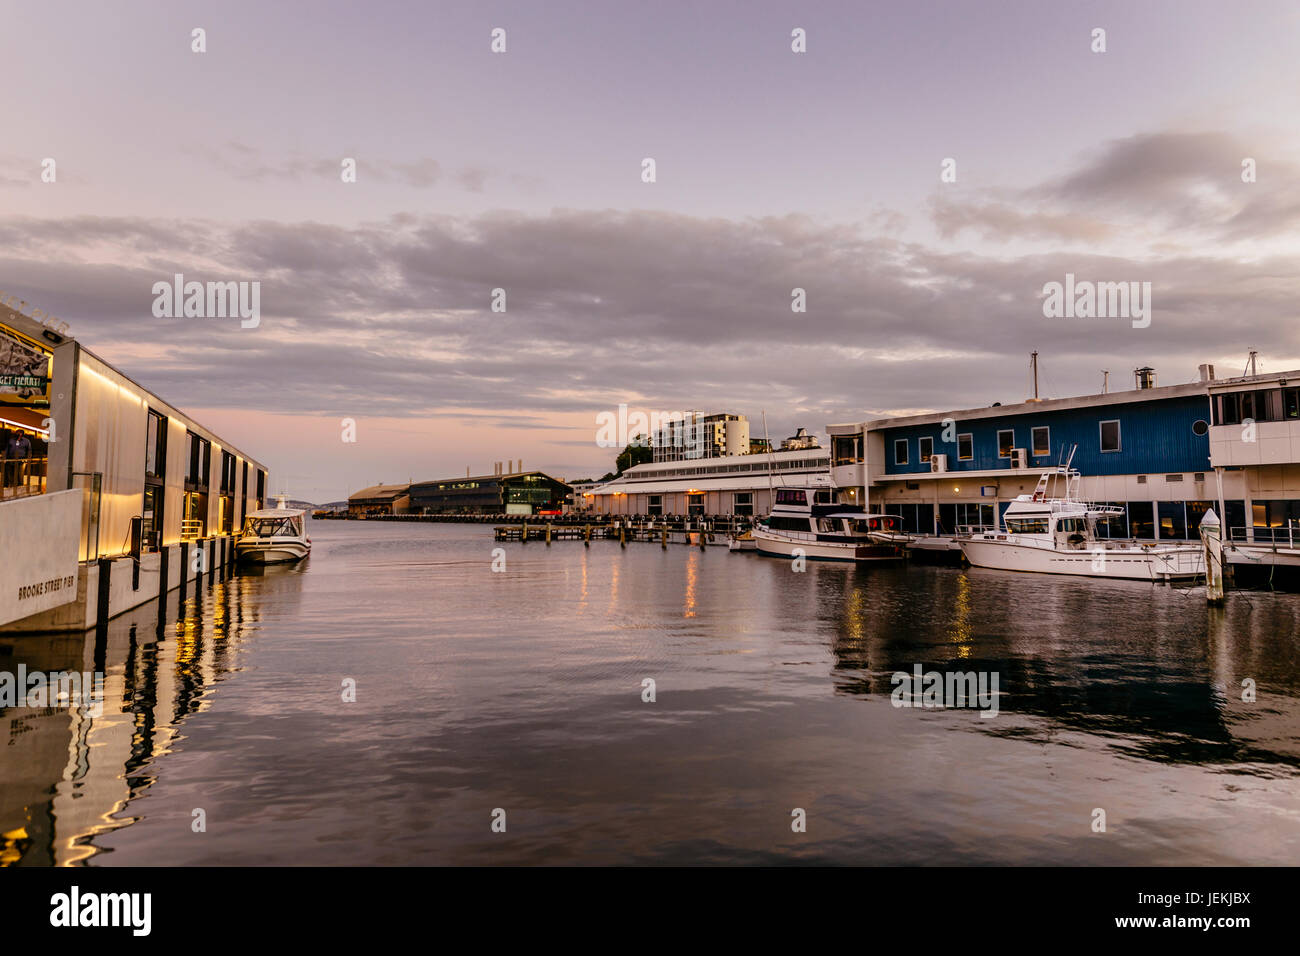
(191, 528)
(20, 477)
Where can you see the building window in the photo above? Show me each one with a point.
(900, 451)
(695, 504)
(846, 449)
(226, 503)
(965, 447)
(743, 503)
(1006, 441)
(1141, 523)
(655, 505)
(926, 448)
(1110, 436)
(1200, 427)
(1042, 436)
(261, 489)
(155, 469)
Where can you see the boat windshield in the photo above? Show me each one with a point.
(287, 526)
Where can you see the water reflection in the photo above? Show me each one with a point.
(66, 775)
(1165, 684)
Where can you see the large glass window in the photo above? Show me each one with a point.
(695, 504)
(1006, 441)
(1173, 520)
(743, 503)
(1141, 520)
(965, 447)
(1042, 436)
(900, 451)
(926, 448)
(846, 449)
(655, 505)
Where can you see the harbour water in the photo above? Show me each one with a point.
(227, 740)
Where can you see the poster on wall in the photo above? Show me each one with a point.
(24, 370)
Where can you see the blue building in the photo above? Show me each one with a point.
(1165, 454)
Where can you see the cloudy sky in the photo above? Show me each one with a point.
(522, 170)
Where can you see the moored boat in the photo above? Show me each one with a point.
(805, 523)
(273, 536)
(1054, 535)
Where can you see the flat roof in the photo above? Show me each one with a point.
(1126, 397)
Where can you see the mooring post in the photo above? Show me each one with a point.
(664, 539)
(523, 533)
(548, 533)
(586, 536)
(1212, 540)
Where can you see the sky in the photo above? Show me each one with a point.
(522, 170)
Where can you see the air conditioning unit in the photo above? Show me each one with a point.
(1019, 458)
(938, 464)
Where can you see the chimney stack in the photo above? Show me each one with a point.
(1145, 377)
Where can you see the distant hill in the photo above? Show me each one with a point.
(328, 506)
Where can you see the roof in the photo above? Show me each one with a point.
(379, 491)
(754, 482)
(459, 478)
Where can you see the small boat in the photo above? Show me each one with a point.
(1059, 536)
(742, 542)
(273, 536)
(804, 520)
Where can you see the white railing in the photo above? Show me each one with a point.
(1276, 537)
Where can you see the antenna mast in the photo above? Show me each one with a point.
(1033, 361)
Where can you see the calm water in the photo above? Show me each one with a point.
(522, 690)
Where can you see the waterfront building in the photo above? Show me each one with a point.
(697, 435)
(380, 500)
(515, 493)
(800, 440)
(110, 496)
(731, 485)
(1164, 454)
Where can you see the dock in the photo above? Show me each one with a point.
(700, 533)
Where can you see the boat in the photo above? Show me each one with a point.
(804, 522)
(1058, 535)
(273, 536)
(744, 541)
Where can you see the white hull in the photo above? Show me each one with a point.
(256, 552)
(1141, 564)
(780, 546)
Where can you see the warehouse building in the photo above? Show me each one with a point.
(380, 500)
(732, 485)
(514, 493)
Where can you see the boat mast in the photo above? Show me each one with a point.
(771, 495)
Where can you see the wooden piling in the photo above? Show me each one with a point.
(586, 536)
(548, 533)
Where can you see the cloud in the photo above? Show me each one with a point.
(659, 310)
(1183, 187)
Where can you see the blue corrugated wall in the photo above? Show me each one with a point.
(1155, 436)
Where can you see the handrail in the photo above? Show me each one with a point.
(23, 476)
(191, 528)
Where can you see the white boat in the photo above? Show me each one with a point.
(1054, 535)
(804, 521)
(273, 536)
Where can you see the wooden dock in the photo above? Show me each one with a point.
(699, 533)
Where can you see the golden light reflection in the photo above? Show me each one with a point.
(692, 582)
(855, 608)
(959, 631)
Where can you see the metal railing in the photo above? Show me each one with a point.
(191, 528)
(1286, 537)
(21, 477)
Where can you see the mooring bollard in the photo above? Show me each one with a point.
(1212, 544)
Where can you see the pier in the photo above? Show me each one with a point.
(700, 532)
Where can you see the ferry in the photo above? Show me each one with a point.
(1054, 535)
(806, 520)
(273, 536)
